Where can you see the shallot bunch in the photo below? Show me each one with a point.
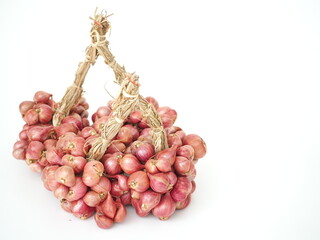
(130, 171)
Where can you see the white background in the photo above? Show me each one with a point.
(244, 75)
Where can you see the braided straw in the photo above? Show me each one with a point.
(127, 101)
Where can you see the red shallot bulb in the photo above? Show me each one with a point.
(111, 164)
(54, 156)
(197, 143)
(103, 111)
(126, 198)
(65, 175)
(181, 189)
(165, 208)
(61, 192)
(130, 164)
(109, 207)
(134, 131)
(183, 166)
(36, 167)
(139, 181)
(121, 212)
(100, 123)
(42, 97)
(92, 173)
(151, 167)
(172, 178)
(48, 178)
(153, 101)
(124, 135)
(39, 133)
(23, 135)
(186, 151)
(168, 154)
(88, 132)
(93, 199)
(81, 210)
(183, 204)
(74, 120)
(67, 206)
(135, 117)
(144, 151)
(34, 151)
(65, 128)
(102, 187)
(116, 147)
(174, 140)
(77, 191)
(160, 183)
(19, 149)
(102, 221)
(148, 200)
(25, 107)
(136, 204)
(77, 163)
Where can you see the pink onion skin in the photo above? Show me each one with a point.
(25, 107)
(130, 164)
(92, 198)
(42, 97)
(183, 165)
(61, 192)
(135, 117)
(153, 101)
(92, 173)
(45, 113)
(100, 123)
(124, 135)
(126, 198)
(64, 128)
(48, 178)
(109, 207)
(19, 153)
(133, 130)
(82, 210)
(103, 111)
(134, 194)
(116, 190)
(39, 133)
(31, 117)
(123, 182)
(174, 140)
(50, 144)
(167, 154)
(111, 164)
(186, 151)
(183, 204)
(172, 178)
(148, 200)
(76, 147)
(159, 182)
(144, 151)
(77, 163)
(103, 186)
(165, 208)
(88, 132)
(121, 212)
(66, 176)
(181, 189)
(151, 167)
(36, 167)
(77, 191)
(139, 181)
(67, 206)
(194, 186)
(23, 135)
(197, 143)
(102, 221)
(116, 147)
(137, 207)
(54, 156)
(73, 120)
(34, 150)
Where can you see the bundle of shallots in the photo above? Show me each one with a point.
(131, 154)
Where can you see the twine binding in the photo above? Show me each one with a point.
(127, 101)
